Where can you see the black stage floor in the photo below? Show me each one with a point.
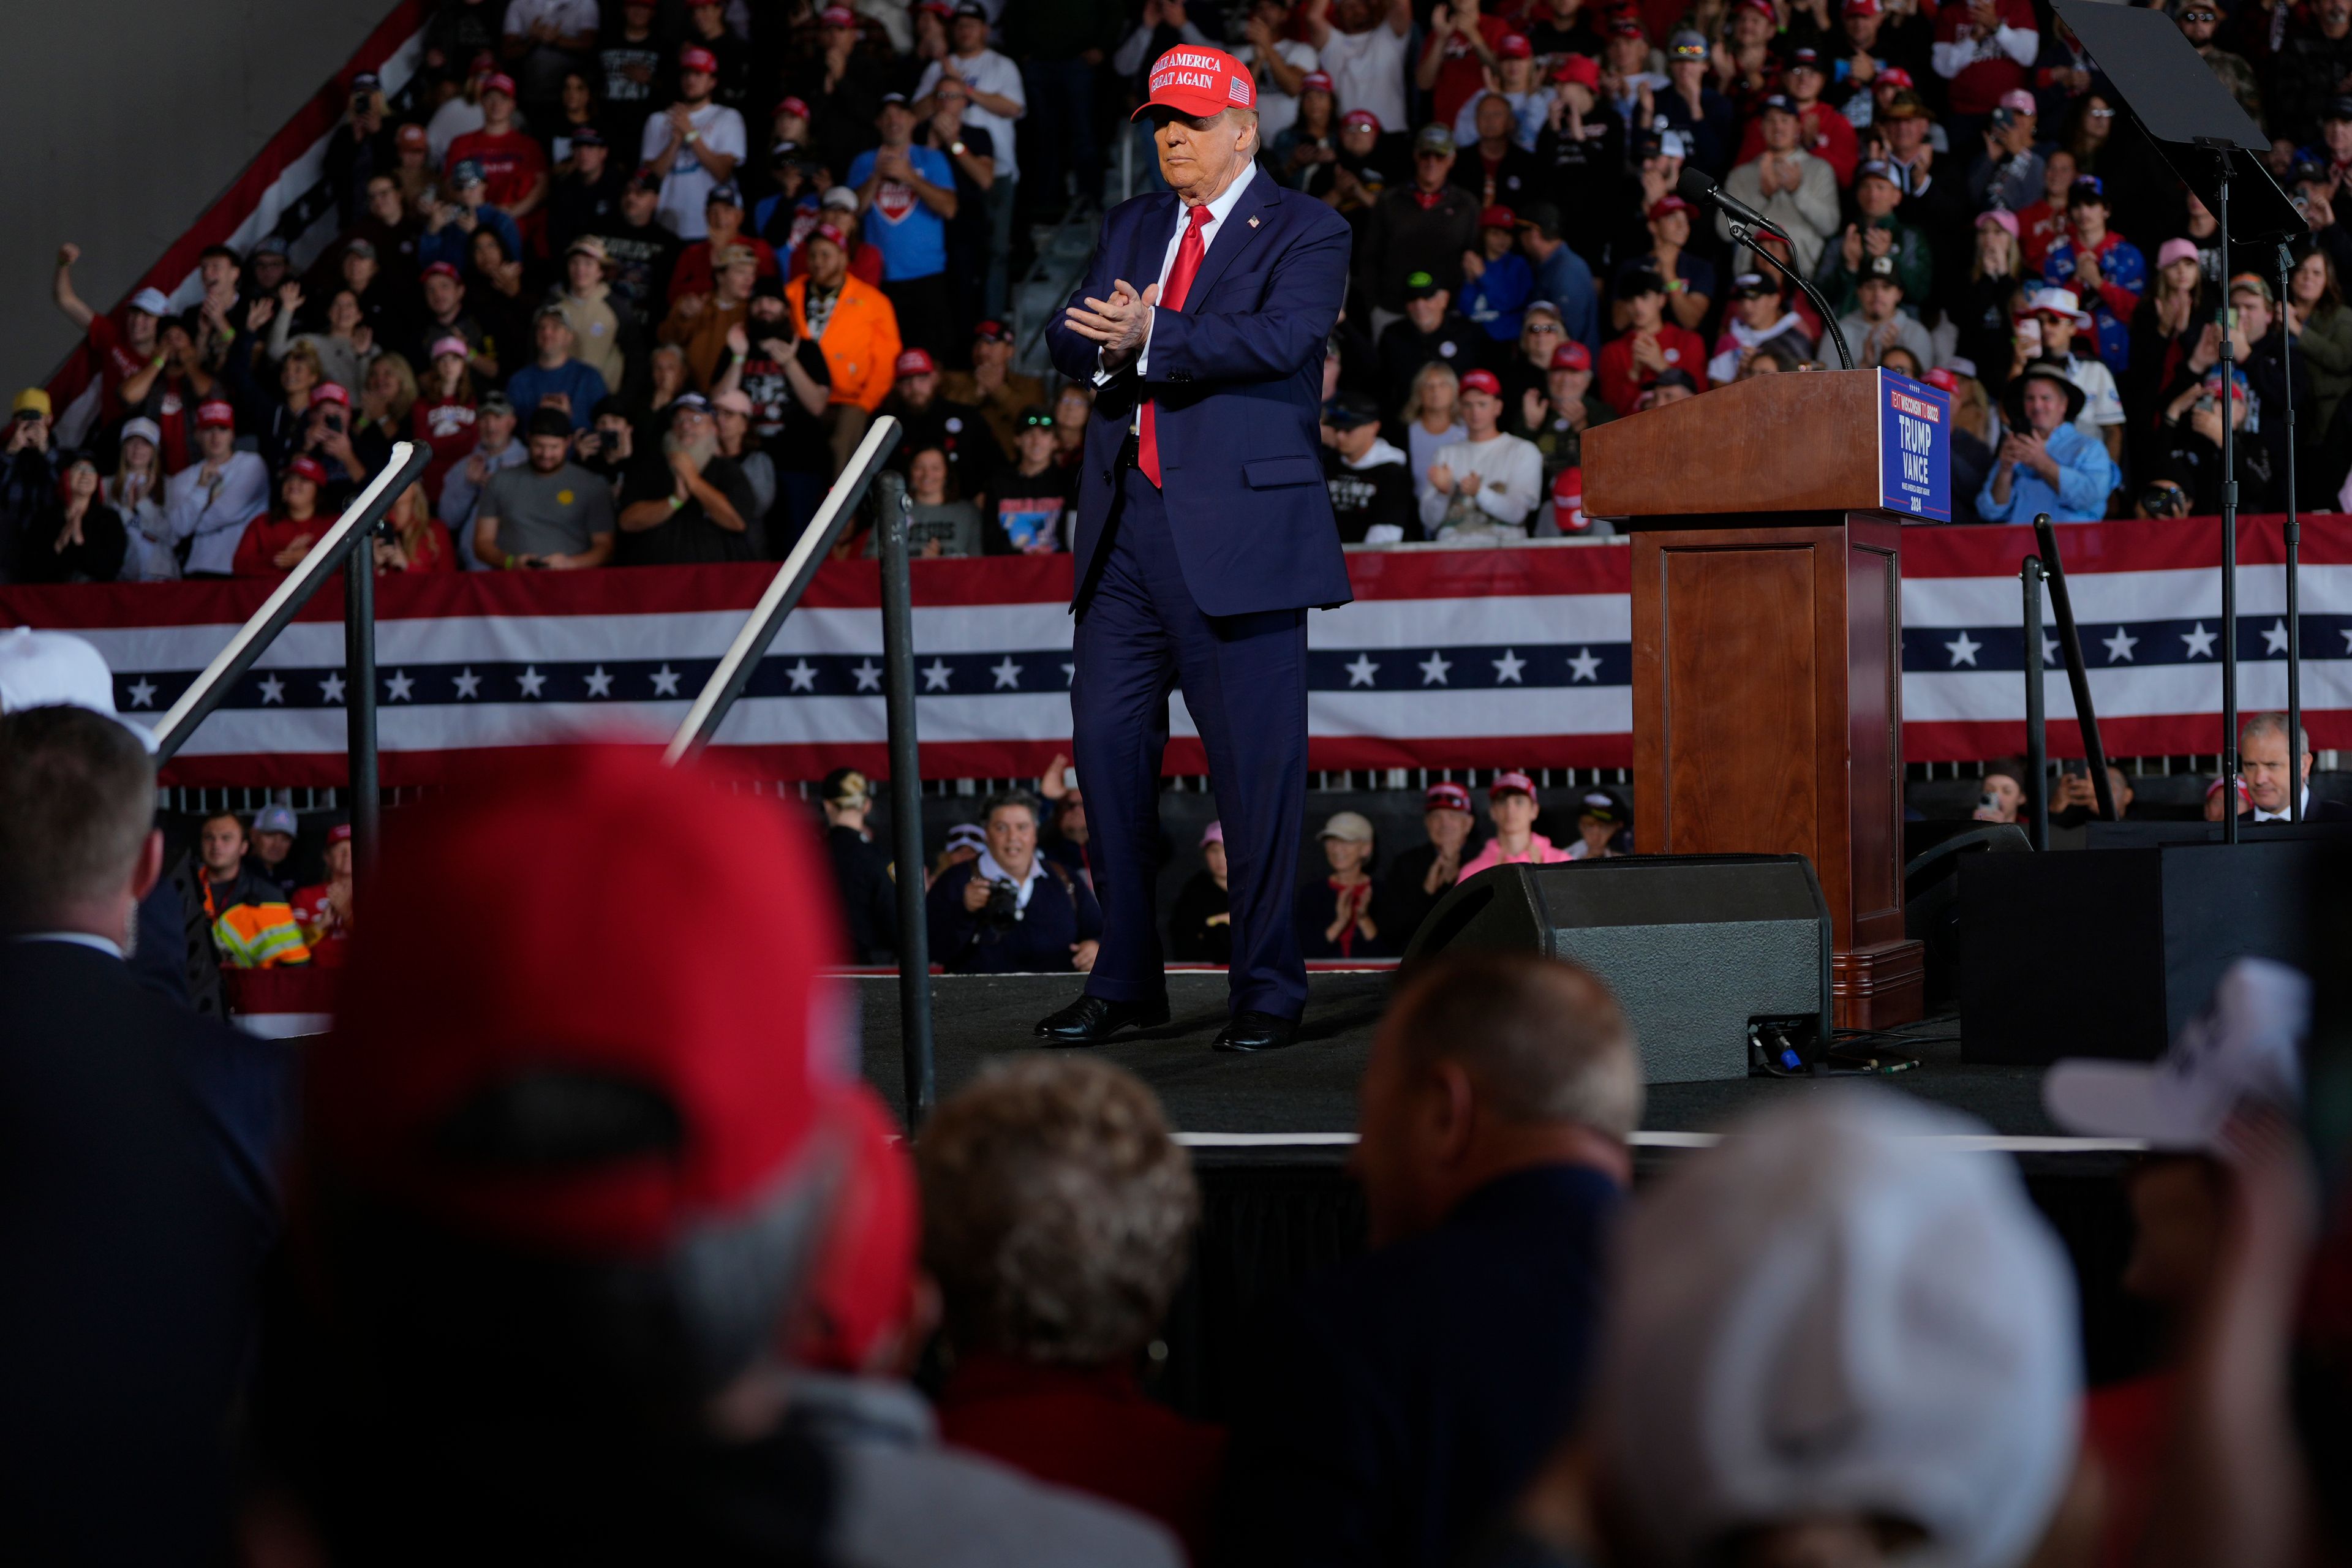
(1311, 1088)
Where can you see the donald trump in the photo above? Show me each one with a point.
(1204, 534)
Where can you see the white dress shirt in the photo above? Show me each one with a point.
(2262, 815)
(1220, 208)
(88, 939)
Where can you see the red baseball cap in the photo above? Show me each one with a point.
(1939, 376)
(305, 469)
(499, 81)
(1571, 355)
(792, 106)
(341, 833)
(1499, 217)
(1511, 782)
(410, 135)
(1861, 7)
(831, 232)
(1515, 47)
(1582, 69)
(214, 411)
(697, 60)
(1360, 120)
(863, 1291)
(1193, 79)
(993, 331)
(1446, 796)
(704, 1070)
(330, 392)
(1316, 82)
(837, 16)
(1894, 76)
(1483, 381)
(441, 270)
(1669, 204)
(915, 362)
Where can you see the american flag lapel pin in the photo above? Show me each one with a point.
(1253, 223)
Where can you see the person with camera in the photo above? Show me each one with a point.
(1011, 910)
(2046, 463)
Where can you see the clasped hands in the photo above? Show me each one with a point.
(1121, 324)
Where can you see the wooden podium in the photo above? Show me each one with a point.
(1767, 649)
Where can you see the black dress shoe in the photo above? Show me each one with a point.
(1091, 1020)
(1258, 1032)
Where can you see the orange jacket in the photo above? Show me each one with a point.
(860, 342)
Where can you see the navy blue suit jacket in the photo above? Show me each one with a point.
(1238, 377)
(1395, 1406)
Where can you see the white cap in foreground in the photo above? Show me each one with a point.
(58, 669)
(2243, 1047)
(1834, 1313)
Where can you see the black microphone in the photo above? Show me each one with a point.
(1694, 186)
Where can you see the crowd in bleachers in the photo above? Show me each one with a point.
(667, 260)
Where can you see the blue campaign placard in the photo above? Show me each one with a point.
(1915, 448)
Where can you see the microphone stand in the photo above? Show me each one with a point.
(1744, 233)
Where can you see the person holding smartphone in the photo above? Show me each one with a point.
(550, 514)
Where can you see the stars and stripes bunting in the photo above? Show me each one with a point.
(1471, 658)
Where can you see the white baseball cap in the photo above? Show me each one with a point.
(2244, 1046)
(1836, 1311)
(52, 669)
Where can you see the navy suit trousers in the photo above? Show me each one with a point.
(1140, 636)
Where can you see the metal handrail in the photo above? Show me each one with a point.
(261, 628)
(727, 682)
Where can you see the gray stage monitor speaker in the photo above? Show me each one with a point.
(1696, 947)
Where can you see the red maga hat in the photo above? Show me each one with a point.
(1483, 381)
(1515, 47)
(306, 469)
(1511, 784)
(216, 411)
(915, 362)
(1499, 217)
(695, 59)
(792, 106)
(1581, 70)
(701, 1074)
(1193, 79)
(499, 81)
(1443, 796)
(1571, 355)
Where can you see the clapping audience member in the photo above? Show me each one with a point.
(1341, 919)
(555, 379)
(786, 381)
(323, 910)
(136, 491)
(1002, 395)
(1394, 1404)
(1743, 1281)
(683, 503)
(137, 1191)
(1426, 872)
(1010, 910)
(1057, 1214)
(1487, 483)
(77, 537)
(2046, 463)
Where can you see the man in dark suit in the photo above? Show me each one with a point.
(1399, 1403)
(2264, 762)
(1204, 534)
(132, 1217)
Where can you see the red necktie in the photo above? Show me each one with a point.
(1189, 252)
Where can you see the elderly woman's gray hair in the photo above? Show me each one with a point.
(1057, 1211)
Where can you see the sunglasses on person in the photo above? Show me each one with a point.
(1551, 329)
(2103, 114)
(2199, 16)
